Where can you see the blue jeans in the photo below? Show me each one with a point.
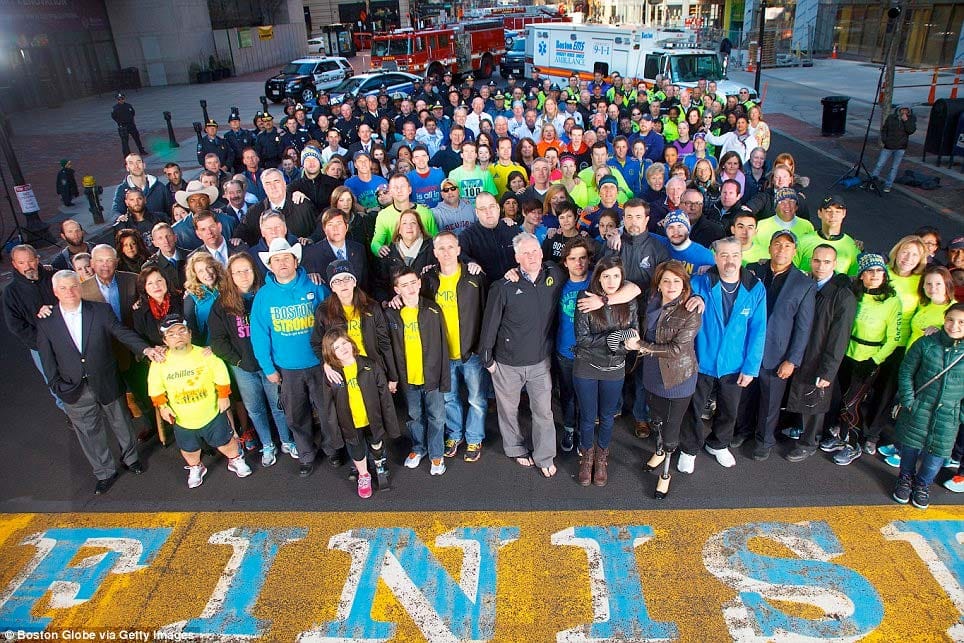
(426, 425)
(35, 355)
(929, 465)
(567, 394)
(896, 156)
(260, 398)
(597, 398)
(472, 428)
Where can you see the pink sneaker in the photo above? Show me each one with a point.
(365, 485)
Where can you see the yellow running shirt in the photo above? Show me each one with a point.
(359, 414)
(354, 328)
(413, 346)
(447, 300)
(190, 384)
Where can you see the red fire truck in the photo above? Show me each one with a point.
(515, 18)
(473, 46)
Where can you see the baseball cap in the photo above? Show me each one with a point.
(169, 322)
(647, 117)
(833, 199)
(784, 233)
(608, 180)
(957, 243)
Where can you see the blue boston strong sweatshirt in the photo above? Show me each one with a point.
(282, 319)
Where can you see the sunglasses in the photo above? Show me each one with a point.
(450, 189)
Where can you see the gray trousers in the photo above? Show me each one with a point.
(91, 421)
(537, 380)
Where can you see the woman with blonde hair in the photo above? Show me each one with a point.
(761, 131)
(704, 180)
(204, 278)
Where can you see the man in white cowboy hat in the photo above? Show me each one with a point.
(198, 198)
(282, 320)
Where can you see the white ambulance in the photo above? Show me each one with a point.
(557, 50)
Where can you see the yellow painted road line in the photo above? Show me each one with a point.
(847, 573)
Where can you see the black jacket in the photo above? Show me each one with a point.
(317, 256)
(895, 133)
(391, 262)
(374, 332)
(789, 323)
(146, 325)
(706, 231)
(67, 370)
(22, 300)
(435, 348)
(519, 320)
(640, 254)
(378, 403)
(230, 337)
(470, 292)
(833, 320)
(301, 219)
(594, 357)
(318, 190)
(176, 276)
(491, 248)
(762, 206)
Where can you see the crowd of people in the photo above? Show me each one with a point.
(633, 252)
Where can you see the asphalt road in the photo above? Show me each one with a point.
(46, 472)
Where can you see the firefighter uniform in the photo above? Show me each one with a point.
(217, 145)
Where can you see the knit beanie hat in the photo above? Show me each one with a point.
(868, 260)
(676, 216)
(311, 151)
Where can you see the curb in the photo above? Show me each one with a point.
(940, 209)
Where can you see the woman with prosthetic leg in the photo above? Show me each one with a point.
(669, 363)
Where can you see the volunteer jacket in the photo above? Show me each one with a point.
(470, 291)
(737, 346)
(435, 348)
(378, 403)
(876, 331)
(375, 337)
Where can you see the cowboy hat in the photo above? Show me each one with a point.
(195, 187)
(280, 246)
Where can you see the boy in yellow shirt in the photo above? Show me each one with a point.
(191, 389)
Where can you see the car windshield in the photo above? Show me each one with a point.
(689, 68)
(347, 86)
(391, 47)
(298, 69)
(519, 44)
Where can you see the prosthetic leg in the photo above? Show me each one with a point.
(660, 459)
(381, 467)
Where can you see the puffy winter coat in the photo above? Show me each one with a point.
(896, 132)
(930, 420)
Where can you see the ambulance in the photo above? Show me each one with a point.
(556, 50)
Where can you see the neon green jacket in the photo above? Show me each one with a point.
(876, 331)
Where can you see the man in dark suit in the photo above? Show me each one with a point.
(119, 290)
(334, 246)
(791, 297)
(208, 229)
(74, 342)
(169, 258)
(300, 217)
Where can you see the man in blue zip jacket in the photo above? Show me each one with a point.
(282, 320)
(729, 347)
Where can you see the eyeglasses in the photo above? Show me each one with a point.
(691, 203)
(444, 190)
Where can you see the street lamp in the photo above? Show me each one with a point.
(759, 47)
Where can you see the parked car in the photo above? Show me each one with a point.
(317, 46)
(394, 82)
(302, 79)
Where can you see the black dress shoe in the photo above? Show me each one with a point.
(305, 470)
(799, 454)
(103, 486)
(135, 468)
(336, 460)
(761, 453)
(737, 441)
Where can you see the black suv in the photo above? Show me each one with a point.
(302, 79)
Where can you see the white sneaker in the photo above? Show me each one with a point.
(268, 456)
(723, 456)
(195, 475)
(239, 466)
(413, 459)
(686, 463)
(290, 449)
(438, 467)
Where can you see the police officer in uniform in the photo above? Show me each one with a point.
(293, 136)
(237, 139)
(123, 115)
(211, 143)
(268, 143)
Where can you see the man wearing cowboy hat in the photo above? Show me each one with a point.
(197, 198)
(211, 143)
(282, 320)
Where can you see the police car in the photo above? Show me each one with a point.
(302, 79)
(394, 82)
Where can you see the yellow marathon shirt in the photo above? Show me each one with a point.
(354, 328)
(447, 300)
(190, 384)
(413, 346)
(359, 414)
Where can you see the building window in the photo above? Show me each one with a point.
(227, 14)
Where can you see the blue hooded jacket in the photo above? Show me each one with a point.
(282, 319)
(735, 347)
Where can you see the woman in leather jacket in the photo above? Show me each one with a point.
(669, 362)
(602, 340)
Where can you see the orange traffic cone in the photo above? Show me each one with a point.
(751, 65)
(933, 92)
(834, 53)
(957, 80)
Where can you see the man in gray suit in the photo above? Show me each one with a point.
(74, 342)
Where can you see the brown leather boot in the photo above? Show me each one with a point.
(642, 429)
(601, 476)
(585, 466)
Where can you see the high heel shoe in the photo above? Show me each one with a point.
(662, 487)
(655, 461)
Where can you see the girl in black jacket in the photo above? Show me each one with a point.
(602, 340)
(360, 406)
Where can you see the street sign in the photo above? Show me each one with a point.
(27, 199)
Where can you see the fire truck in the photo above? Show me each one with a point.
(473, 46)
(516, 18)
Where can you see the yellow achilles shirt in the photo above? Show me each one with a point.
(359, 414)
(413, 346)
(447, 299)
(354, 328)
(190, 383)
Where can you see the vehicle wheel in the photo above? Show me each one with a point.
(307, 94)
(485, 70)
